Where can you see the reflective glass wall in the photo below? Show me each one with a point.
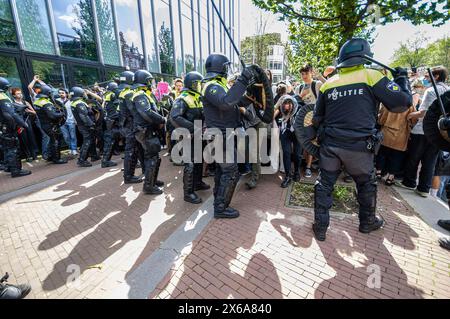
(8, 38)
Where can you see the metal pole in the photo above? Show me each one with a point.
(228, 33)
(433, 81)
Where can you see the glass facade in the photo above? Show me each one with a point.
(55, 74)
(35, 26)
(8, 70)
(107, 32)
(8, 38)
(61, 39)
(75, 28)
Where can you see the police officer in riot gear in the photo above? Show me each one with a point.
(11, 292)
(10, 121)
(147, 122)
(221, 111)
(346, 116)
(112, 132)
(52, 117)
(187, 109)
(132, 148)
(84, 122)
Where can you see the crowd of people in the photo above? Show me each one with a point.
(99, 122)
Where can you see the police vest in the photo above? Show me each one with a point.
(4, 96)
(191, 99)
(217, 81)
(124, 93)
(76, 103)
(43, 101)
(143, 92)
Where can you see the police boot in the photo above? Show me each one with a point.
(14, 292)
(20, 173)
(444, 224)
(82, 163)
(17, 170)
(371, 224)
(320, 231)
(158, 182)
(223, 193)
(251, 184)
(444, 243)
(106, 164)
(129, 170)
(56, 156)
(199, 185)
(149, 183)
(188, 185)
(286, 181)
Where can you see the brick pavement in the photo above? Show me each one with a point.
(91, 221)
(270, 252)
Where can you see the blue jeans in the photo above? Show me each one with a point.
(69, 132)
(45, 139)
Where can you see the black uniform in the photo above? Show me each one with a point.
(147, 122)
(221, 110)
(187, 109)
(346, 114)
(86, 126)
(51, 118)
(10, 121)
(133, 150)
(96, 114)
(112, 132)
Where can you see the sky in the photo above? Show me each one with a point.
(387, 40)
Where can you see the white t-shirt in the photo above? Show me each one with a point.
(428, 99)
(310, 98)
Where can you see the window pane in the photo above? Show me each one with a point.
(85, 76)
(8, 37)
(177, 36)
(35, 26)
(204, 34)
(188, 41)
(107, 32)
(112, 74)
(152, 61)
(164, 33)
(130, 34)
(8, 70)
(75, 28)
(51, 73)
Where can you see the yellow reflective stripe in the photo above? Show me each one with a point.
(76, 103)
(369, 77)
(142, 92)
(193, 102)
(108, 96)
(4, 96)
(216, 81)
(125, 92)
(42, 102)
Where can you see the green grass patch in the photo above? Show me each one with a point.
(345, 201)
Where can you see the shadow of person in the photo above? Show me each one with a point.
(90, 202)
(231, 263)
(106, 239)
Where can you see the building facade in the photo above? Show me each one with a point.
(80, 42)
(276, 62)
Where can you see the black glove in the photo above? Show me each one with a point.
(249, 75)
(400, 72)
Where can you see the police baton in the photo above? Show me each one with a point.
(228, 33)
(433, 81)
(384, 66)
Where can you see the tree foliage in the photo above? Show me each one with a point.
(319, 28)
(255, 49)
(417, 53)
(166, 50)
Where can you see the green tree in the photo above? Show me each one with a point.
(319, 28)
(255, 49)
(85, 31)
(7, 29)
(166, 50)
(438, 53)
(412, 52)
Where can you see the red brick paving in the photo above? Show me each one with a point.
(270, 252)
(89, 220)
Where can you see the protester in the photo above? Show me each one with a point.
(68, 130)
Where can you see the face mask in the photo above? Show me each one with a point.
(426, 83)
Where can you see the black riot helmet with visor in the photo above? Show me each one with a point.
(218, 65)
(143, 78)
(4, 84)
(193, 81)
(353, 53)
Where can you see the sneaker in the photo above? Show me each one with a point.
(74, 153)
(444, 224)
(444, 243)
(401, 185)
(308, 173)
(286, 182)
(348, 179)
(422, 194)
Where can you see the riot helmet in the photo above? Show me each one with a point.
(143, 78)
(76, 93)
(217, 64)
(127, 77)
(46, 91)
(4, 85)
(112, 86)
(192, 81)
(352, 53)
